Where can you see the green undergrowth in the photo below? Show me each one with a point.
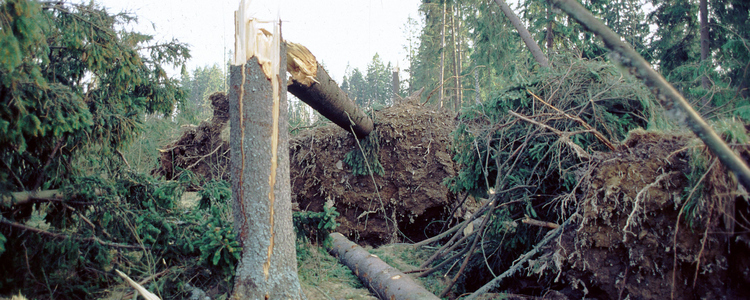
(370, 145)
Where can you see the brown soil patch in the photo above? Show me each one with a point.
(415, 155)
(414, 151)
(201, 149)
(624, 245)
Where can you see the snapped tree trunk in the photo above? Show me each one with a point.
(540, 58)
(260, 166)
(383, 280)
(312, 84)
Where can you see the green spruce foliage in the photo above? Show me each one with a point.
(364, 159)
(70, 79)
(524, 150)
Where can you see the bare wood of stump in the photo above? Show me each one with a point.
(678, 107)
(312, 84)
(385, 281)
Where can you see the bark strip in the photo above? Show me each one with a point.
(385, 281)
(312, 84)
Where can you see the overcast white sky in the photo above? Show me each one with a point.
(337, 32)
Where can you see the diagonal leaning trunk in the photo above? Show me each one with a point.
(260, 166)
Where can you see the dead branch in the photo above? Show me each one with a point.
(578, 120)
(521, 260)
(18, 198)
(468, 256)
(540, 223)
(564, 136)
(123, 158)
(449, 250)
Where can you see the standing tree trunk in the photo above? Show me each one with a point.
(549, 37)
(456, 70)
(460, 61)
(260, 166)
(704, 42)
(396, 83)
(540, 58)
(442, 58)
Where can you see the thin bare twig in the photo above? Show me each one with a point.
(521, 260)
(578, 120)
(539, 223)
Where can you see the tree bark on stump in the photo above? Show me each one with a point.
(312, 84)
(260, 184)
(385, 281)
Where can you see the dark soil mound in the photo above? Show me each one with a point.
(410, 142)
(413, 148)
(625, 245)
(201, 149)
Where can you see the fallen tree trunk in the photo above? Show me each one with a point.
(383, 280)
(312, 84)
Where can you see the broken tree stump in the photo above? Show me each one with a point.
(385, 281)
(312, 84)
(261, 191)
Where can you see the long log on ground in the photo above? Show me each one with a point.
(312, 84)
(385, 281)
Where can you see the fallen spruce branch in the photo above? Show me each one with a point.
(521, 260)
(385, 281)
(678, 107)
(564, 136)
(64, 237)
